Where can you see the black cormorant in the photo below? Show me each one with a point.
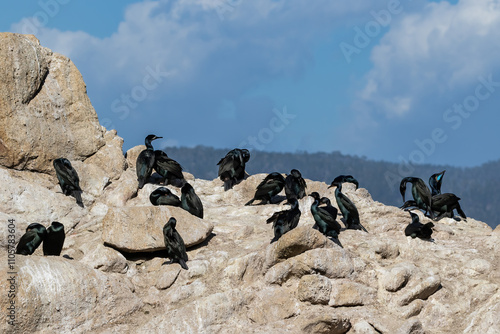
(344, 178)
(442, 206)
(325, 217)
(68, 179)
(348, 209)
(145, 161)
(286, 220)
(417, 229)
(163, 196)
(421, 193)
(295, 185)
(232, 167)
(271, 186)
(176, 250)
(54, 240)
(168, 168)
(190, 201)
(29, 242)
(435, 183)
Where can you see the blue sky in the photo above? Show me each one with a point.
(415, 81)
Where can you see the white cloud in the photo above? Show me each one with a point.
(437, 51)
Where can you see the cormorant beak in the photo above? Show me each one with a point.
(157, 137)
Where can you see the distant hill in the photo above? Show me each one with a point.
(477, 187)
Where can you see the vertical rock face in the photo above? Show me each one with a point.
(43, 104)
(120, 280)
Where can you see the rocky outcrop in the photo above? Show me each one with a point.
(46, 113)
(140, 229)
(115, 278)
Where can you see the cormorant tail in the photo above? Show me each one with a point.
(183, 264)
(228, 184)
(460, 212)
(78, 196)
(250, 201)
(141, 183)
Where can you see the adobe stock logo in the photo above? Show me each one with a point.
(266, 135)
(453, 117)
(48, 10)
(373, 28)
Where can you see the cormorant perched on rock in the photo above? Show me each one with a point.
(232, 167)
(442, 206)
(435, 183)
(344, 178)
(176, 249)
(348, 209)
(168, 168)
(325, 217)
(29, 242)
(163, 196)
(190, 201)
(271, 186)
(68, 179)
(417, 229)
(54, 240)
(295, 185)
(145, 161)
(286, 220)
(421, 194)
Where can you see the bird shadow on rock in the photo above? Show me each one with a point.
(277, 199)
(203, 243)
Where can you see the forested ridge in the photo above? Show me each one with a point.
(477, 186)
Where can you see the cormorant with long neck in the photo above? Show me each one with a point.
(176, 249)
(418, 230)
(271, 186)
(54, 240)
(286, 220)
(145, 161)
(29, 242)
(435, 183)
(232, 167)
(168, 168)
(348, 209)
(163, 196)
(344, 178)
(325, 217)
(68, 179)
(190, 201)
(295, 185)
(442, 206)
(421, 193)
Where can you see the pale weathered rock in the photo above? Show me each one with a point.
(326, 324)
(421, 291)
(412, 326)
(45, 111)
(295, 242)
(396, 277)
(54, 294)
(140, 229)
(167, 277)
(314, 289)
(331, 262)
(348, 293)
(105, 259)
(110, 158)
(363, 327)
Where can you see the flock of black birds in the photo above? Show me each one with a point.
(232, 171)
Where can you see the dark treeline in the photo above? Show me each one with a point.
(477, 186)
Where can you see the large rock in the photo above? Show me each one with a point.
(54, 294)
(45, 112)
(140, 229)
